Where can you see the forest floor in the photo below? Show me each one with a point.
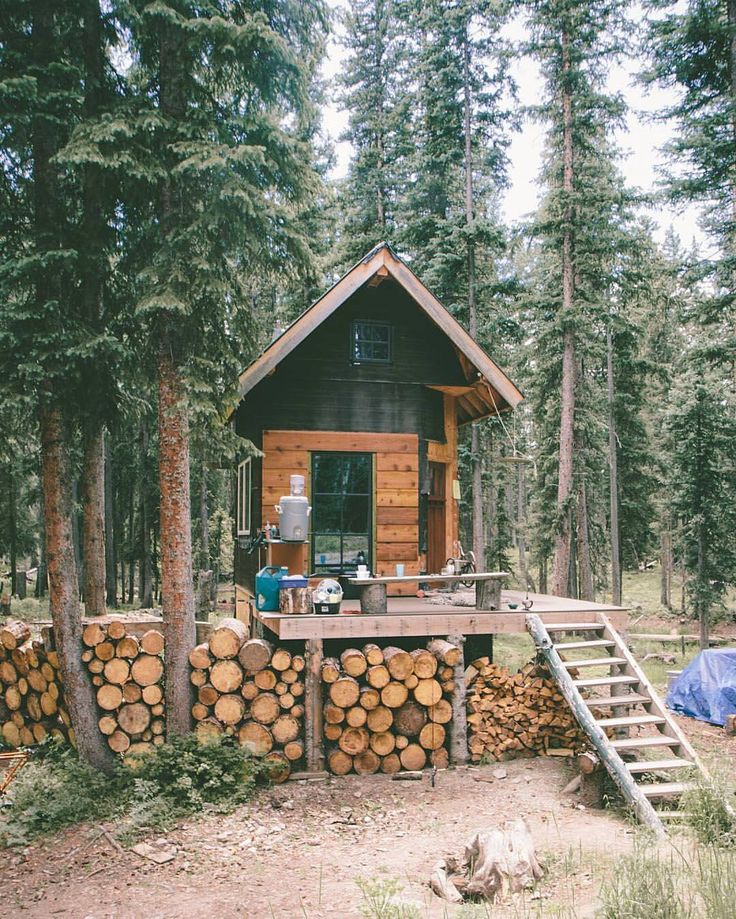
(301, 850)
(308, 850)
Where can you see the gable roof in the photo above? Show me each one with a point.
(488, 389)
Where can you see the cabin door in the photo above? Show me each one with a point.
(436, 546)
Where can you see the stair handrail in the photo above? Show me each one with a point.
(632, 793)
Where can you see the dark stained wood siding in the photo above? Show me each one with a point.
(318, 387)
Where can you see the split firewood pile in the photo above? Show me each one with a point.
(388, 709)
(128, 675)
(31, 696)
(518, 714)
(252, 690)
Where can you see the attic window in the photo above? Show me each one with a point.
(372, 342)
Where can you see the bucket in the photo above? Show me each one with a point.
(267, 588)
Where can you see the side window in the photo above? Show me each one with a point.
(244, 497)
(372, 342)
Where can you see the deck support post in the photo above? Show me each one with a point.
(488, 594)
(313, 648)
(374, 598)
(459, 734)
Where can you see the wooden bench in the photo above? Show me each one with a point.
(374, 596)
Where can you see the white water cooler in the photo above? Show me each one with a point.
(294, 511)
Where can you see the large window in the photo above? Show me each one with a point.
(342, 511)
(372, 342)
(243, 498)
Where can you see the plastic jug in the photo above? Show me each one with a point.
(267, 588)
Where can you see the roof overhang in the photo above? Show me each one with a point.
(488, 391)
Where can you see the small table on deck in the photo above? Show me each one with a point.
(374, 597)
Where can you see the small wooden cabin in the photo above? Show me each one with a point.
(364, 394)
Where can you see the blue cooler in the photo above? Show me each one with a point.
(267, 588)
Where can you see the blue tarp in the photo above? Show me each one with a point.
(706, 688)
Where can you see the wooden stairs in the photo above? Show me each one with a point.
(647, 753)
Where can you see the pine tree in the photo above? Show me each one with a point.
(575, 43)
(692, 51)
(375, 93)
(213, 85)
(701, 486)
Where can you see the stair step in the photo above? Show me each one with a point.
(575, 627)
(630, 698)
(656, 765)
(630, 721)
(597, 643)
(619, 680)
(665, 789)
(595, 662)
(635, 743)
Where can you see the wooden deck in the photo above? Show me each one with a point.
(409, 616)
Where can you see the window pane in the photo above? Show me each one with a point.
(358, 474)
(328, 473)
(356, 514)
(327, 514)
(371, 341)
(351, 546)
(327, 553)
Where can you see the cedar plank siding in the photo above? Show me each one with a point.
(396, 491)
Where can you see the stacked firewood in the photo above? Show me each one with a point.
(517, 714)
(387, 709)
(31, 697)
(249, 689)
(128, 673)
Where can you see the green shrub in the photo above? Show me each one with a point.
(379, 900)
(175, 779)
(56, 791)
(187, 773)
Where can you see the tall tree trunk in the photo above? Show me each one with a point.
(64, 596)
(42, 574)
(204, 521)
(92, 274)
(131, 544)
(476, 458)
(93, 508)
(110, 540)
(521, 526)
(176, 542)
(177, 589)
(13, 527)
(582, 535)
(613, 477)
(665, 587)
(563, 536)
(146, 573)
(703, 605)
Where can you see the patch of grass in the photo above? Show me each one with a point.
(379, 900)
(178, 778)
(29, 609)
(709, 805)
(676, 885)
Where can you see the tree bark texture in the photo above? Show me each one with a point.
(666, 563)
(585, 567)
(63, 592)
(93, 508)
(145, 591)
(111, 592)
(177, 591)
(561, 563)
(613, 477)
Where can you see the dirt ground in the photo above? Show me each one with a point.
(298, 850)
